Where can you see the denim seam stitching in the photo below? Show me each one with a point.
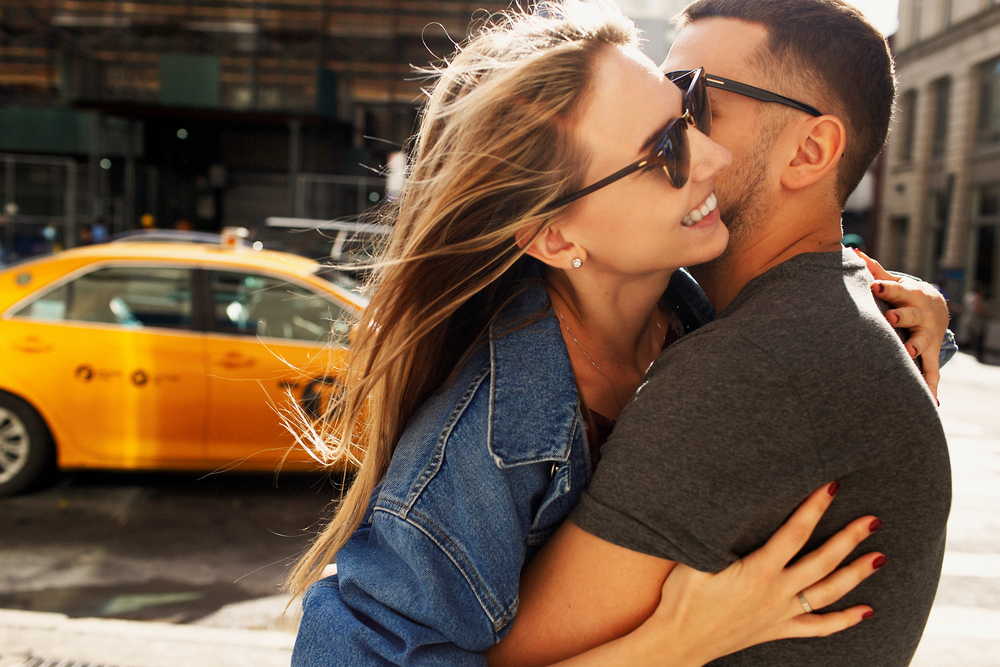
(563, 455)
(537, 537)
(435, 463)
(431, 530)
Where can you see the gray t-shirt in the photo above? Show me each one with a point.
(799, 382)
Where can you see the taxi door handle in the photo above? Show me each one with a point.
(32, 345)
(237, 361)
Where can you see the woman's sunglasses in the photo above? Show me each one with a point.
(671, 152)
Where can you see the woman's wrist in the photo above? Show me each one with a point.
(652, 644)
(661, 642)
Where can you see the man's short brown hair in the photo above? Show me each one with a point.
(829, 48)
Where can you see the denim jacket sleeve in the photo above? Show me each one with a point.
(483, 475)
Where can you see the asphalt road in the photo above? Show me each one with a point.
(168, 547)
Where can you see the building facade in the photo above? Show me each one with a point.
(940, 187)
(206, 113)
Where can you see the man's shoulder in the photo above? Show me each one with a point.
(702, 357)
(712, 380)
(816, 306)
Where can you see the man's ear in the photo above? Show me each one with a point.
(820, 143)
(551, 247)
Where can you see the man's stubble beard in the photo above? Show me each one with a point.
(741, 205)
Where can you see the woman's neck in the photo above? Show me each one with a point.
(613, 331)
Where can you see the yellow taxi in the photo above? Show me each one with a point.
(164, 355)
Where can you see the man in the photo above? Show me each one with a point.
(799, 381)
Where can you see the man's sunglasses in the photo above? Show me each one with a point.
(672, 152)
(713, 81)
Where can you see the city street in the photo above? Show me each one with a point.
(158, 547)
(212, 550)
(964, 628)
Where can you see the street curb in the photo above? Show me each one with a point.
(56, 637)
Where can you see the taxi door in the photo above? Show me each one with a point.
(112, 359)
(271, 358)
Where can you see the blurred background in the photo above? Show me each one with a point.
(182, 114)
(284, 116)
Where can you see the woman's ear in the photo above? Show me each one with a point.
(551, 247)
(821, 144)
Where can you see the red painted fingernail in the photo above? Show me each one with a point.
(893, 318)
(879, 287)
(867, 615)
(834, 488)
(879, 562)
(875, 525)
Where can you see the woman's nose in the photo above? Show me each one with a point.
(707, 157)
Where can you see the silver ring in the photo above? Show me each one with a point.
(804, 603)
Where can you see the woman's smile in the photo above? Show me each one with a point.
(703, 211)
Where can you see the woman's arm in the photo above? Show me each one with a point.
(699, 616)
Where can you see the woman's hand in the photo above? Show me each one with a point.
(919, 308)
(756, 599)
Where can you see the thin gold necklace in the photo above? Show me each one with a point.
(587, 356)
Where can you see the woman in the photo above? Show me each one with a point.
(509, 327)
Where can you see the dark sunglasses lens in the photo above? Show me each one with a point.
(675, 153)
(695, 97)
(701, 108)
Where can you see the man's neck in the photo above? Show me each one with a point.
(769, 246)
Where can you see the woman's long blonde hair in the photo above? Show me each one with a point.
(493, 152)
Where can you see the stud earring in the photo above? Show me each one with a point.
(577, 263)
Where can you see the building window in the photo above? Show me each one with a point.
(918, 12)
(947, 13)
(989, 201)
(984, 271)
(907, 124)
(985, 264)
(937, 226)
(989, 102)
(898, 246)
(942, 97)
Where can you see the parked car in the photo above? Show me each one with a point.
(347, 245)
(167, 356)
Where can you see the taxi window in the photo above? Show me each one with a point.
(49, 306)
(256, 305)
(129, 296)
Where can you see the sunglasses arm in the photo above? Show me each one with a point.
(760, 94)
(621, 173)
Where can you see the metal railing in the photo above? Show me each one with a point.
(329, 197)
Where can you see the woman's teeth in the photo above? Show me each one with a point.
(698, 214)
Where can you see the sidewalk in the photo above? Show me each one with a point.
(249, 634)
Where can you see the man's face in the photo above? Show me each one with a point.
(724, 47)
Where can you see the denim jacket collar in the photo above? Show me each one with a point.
(517, 388)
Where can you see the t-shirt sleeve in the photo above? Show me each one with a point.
(708, 459)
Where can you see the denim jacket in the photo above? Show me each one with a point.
(484, 473)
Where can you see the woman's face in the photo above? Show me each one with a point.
(641, 223)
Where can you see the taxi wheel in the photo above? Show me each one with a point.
(27, 454)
